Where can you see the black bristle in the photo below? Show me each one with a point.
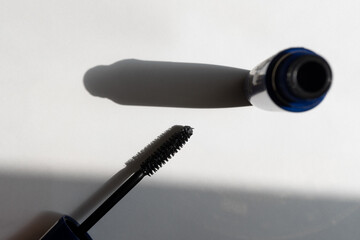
(148, 167)
(166, 151)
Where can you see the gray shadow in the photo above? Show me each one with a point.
(177, 212)
(37, 226)
(168, 84)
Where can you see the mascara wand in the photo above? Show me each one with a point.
(68, 229)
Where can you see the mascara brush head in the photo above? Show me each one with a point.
(166, 151)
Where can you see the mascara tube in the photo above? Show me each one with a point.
(294, 80)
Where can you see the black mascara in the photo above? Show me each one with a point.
(68, 228)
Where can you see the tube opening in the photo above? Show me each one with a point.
(312, 77)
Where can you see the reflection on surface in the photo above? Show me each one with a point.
(175, 212)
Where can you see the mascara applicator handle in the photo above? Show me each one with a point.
(110, 202)
(65, 229)
(68, 228)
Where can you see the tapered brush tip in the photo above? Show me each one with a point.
(166, 150)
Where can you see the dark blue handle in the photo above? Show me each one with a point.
(65, 229)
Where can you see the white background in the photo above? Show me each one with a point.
(52, 128)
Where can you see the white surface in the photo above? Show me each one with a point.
(50, 125)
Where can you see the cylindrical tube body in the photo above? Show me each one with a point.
(295, 80)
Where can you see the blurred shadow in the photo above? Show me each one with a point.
(115, 181)
(37, 227)
(168, 84)
(177, 212)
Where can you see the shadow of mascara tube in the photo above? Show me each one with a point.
(294, 80)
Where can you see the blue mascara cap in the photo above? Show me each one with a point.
(65, 229)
